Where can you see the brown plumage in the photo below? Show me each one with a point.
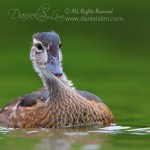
(31, 99)
(65, 107)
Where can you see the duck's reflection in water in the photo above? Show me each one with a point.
(50, 144)
(64, 139)
(92, 138)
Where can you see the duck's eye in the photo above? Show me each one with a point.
(59, 45)
(39, 46)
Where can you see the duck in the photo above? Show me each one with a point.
(58, 104)
(42, 94)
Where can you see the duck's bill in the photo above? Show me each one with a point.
(54, 66)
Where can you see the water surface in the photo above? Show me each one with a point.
(113, 137)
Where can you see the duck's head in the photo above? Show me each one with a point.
(46, 54)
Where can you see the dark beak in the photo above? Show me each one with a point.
(54, 66)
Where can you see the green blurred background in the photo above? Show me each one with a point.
(110, 59)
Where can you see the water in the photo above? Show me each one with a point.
(113, 137)
(122, 87)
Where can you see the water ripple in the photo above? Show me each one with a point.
(91, 147)
(5, 130)
(113, 129)
(123, 129)
(140, 131)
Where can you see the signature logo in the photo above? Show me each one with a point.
(42, 14)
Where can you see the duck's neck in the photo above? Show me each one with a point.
(63, 79)
(55, 87)
(67, 82)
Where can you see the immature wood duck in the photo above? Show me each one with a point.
(58, 104)
(41, 95)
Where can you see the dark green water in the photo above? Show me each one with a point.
(110, 59)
